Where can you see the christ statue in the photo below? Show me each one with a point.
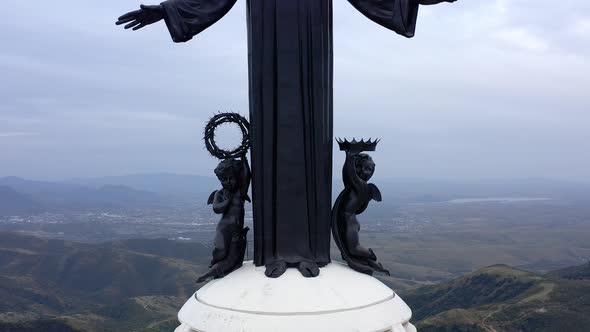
(290, 91)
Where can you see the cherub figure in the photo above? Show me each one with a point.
(352, 201)
(230, 238)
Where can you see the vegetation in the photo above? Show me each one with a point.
(500, 298)
(53, 285)
(139, 285)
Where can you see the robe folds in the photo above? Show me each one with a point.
(290, 88)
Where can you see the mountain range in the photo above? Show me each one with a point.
(163, 183)
(19, 196)
(139, 285)
(13, 202)
(501, 298)
(48, 284)
(22, 196)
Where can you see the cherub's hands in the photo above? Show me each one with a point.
(353, 150)
(146, 15)
(226, 195)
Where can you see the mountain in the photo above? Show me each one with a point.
(41, 325)
(33, 187)
(396, 192)
(95, 287)
(20, 196)
(581, 272)
(140, 190)
(501, 298)
(113, 195)
(436, 190)
(165, 183)
(139, 285)
(14, 203)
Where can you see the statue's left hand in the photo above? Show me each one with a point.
(146, 15)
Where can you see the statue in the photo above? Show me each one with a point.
(352, 201)
(234, 174)
(290, 112)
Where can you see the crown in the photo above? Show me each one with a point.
(357, 146)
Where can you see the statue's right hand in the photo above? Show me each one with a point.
(146, 15)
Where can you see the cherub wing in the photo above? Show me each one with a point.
(211, 198)
(375, 193)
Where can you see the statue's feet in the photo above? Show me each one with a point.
(276, 269)
(309, 269)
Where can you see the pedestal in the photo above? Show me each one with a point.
(338, 300)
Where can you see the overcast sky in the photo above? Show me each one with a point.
(486, 89)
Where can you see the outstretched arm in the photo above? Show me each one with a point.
(145, 15)
(397, 15)
(184, 18)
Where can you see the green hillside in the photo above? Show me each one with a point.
(48, 284)
(581, 272)
(139, 285)
(500, 298)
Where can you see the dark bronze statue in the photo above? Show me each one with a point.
(234, 174)
(230, 237)
(290, 78)
(352, 201)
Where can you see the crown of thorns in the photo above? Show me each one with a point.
(218, 120)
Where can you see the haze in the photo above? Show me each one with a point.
(486, 89)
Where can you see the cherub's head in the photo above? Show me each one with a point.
(365, 167)
(227, 172)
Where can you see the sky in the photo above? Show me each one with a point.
(486, 89)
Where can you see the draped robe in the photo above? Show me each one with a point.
(290, 89)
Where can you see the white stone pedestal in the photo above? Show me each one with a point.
(338, 300)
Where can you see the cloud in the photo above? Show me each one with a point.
(522, 38)
(17, 134)
(581, 27)
(486, 88)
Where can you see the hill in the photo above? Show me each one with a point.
(581, 272)
(165, 183)
(14, 203)
(500, 298)
(396, 190)
(139, 285)
(92, 287)
(19, 196)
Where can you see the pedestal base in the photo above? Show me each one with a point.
(339, 300)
